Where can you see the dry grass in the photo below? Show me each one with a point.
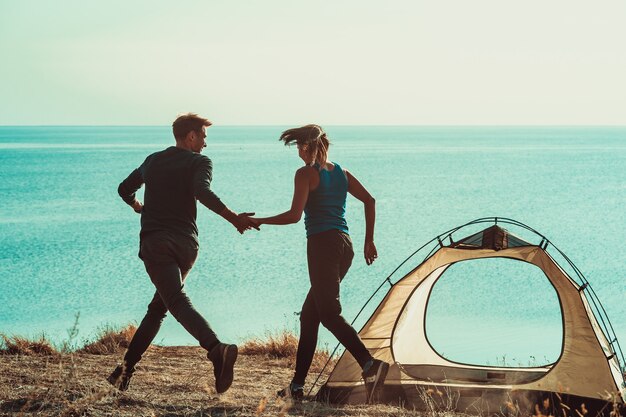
(280, 345)
(284, 345)
(170, 381)
(175, 381)
(17, 345)
(110, 340)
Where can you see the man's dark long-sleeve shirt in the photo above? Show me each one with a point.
(174, 179)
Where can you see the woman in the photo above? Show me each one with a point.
(321, 189)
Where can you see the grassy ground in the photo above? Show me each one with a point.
(38, 379)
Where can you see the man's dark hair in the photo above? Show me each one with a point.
(189, 122)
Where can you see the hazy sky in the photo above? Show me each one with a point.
(330, 62)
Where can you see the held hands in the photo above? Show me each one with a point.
(245, 222)
(256, 221)
(370, 252)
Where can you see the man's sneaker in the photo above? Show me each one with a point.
(120, 377)
(223, 357)
(296, 394)
(374, 378)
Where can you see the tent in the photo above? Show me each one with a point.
(587, 378)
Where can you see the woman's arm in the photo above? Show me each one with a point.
(358, 190)
(300, 195)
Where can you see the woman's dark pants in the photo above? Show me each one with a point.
(329, 256)
(168, 258)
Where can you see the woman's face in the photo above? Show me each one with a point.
(305, 154)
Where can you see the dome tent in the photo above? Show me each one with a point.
(587, 376)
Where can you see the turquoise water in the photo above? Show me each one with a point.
(69, 243)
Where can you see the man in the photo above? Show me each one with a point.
(175, 178)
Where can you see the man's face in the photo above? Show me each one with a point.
(198, 140)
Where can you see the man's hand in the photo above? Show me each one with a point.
(137, 206)
(370, 252)
(244, 222)
(241, 221)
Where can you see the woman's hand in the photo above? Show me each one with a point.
(255, 222)
(370, 252)
(245, 222)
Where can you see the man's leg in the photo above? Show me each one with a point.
(151, 323)
(163, 258)
(149, 327)
(146, 332)
(168, 260)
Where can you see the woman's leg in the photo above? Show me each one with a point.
(329, 257)
(309, 326)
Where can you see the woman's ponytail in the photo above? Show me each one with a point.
(313, 136)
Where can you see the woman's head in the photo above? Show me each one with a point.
(312, 143)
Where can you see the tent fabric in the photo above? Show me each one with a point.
(493, 237)
(395, 333)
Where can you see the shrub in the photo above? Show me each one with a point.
(17, 345)
(110, 340)
(284, 344)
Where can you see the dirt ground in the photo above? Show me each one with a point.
(170, 381)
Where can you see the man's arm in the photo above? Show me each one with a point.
(128, 189)
(202, 186)
(202, 191)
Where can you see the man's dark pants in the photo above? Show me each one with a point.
(329, 257)
(168, 258)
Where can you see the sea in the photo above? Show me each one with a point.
(68, 244)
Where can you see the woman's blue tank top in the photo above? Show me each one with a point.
(326, 206)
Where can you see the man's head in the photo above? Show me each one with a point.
(190, 131)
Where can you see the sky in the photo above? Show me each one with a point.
(341, 62)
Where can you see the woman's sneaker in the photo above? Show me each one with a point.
(223, 357)
(120, 377)
(374, 378)
(296, 393)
